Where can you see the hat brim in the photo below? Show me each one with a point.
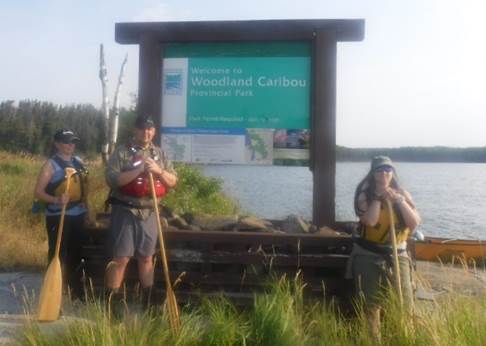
(144, 127)
(71, 140)
(383, 165)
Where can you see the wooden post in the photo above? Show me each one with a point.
(323, 144)
(150, 80)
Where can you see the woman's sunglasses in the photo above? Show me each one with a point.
(386, 169)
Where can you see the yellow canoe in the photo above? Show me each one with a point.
(447, 250)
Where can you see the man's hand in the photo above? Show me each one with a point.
(152, 166)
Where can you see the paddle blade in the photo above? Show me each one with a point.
(51, 293)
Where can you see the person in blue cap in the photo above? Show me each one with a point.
(371, 259)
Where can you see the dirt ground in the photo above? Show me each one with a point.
(438, 278)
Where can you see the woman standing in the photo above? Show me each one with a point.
(371, 261)
(51, 190)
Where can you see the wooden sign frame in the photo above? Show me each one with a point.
(323, 35)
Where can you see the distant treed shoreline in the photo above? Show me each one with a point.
(28, 126)
(415, 154)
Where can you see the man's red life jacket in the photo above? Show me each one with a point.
(140, 186)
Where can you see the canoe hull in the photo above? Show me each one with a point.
(448, 250)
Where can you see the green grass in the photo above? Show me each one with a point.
(277, 317)
(23, 239)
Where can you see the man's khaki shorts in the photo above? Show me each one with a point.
(131, 236)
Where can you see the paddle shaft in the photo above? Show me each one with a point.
(61, 222)
(396, 263)
(171, 299)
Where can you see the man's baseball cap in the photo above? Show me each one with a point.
(65, 136)
(381, 161)
(144, 123)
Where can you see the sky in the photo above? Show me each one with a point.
(417, 79)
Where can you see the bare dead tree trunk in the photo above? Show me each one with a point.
(116, 108)
(105, 106)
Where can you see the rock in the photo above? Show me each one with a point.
(164, 223)
(216, 223)
(250, 223)
(295, 224)
(179, 222)
(167, 212)
(328, 232)
(188, 217)
(17, 292)
(171, 228)
(349, 227)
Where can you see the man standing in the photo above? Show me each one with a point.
(133, 226)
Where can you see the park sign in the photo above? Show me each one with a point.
(199, 63)
(236, 103)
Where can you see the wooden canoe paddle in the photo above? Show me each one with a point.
(396, 264)
(51, 292)
(173, 309)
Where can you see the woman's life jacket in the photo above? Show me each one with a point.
(140, 186)
(77, 186)
(380, 233)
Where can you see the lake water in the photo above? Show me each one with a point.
(451, 197)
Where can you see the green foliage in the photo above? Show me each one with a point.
(278, 318)
(325, 322)
(196, 193)
(94, 327)
(225, 326)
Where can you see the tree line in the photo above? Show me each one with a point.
(29, 126)
(414, 154)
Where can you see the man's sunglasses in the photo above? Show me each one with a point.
(386, 169)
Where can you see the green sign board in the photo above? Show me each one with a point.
(255, 90)
(261, 92)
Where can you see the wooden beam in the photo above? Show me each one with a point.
(323, 143)
(149, 79)
(252, 30)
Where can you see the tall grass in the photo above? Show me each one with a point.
(23, 239)
(277, 317)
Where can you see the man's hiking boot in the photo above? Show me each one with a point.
(115, 304)
(146, 299)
